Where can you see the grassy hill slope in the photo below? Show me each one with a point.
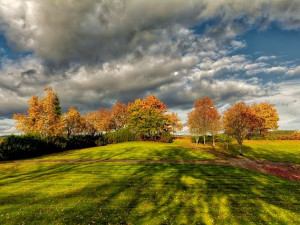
(142, 193)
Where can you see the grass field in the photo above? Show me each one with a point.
(277, 150)
(135, 150)
(142, 193)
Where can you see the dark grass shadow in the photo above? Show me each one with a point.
(157, 194)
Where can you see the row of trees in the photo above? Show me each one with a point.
(147, 117)
(239, 121)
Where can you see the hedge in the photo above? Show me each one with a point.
(26, 146)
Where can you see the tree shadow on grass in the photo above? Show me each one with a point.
(152, 194)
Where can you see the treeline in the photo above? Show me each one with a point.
(46, 129)
(147, 119)
(240, 121)
(292, 135)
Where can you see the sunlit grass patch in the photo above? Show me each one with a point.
(134, 150)
(113, 193)
(141, 193)
(276, 150)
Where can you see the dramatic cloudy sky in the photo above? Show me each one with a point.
(94, 52)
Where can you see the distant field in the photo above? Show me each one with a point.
(144, 193)
(277, 150)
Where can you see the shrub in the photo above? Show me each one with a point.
(82, 141)
(56, 143)
(102, 140)
(139, 137)
(292, 136)
(122, 135)
(23, 146)
(166, 137)
(207, 139)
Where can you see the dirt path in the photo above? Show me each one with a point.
(284, 170)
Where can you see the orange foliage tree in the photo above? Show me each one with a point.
(106, 120)
(268, 116)
(118, 116)
(239, 121)
(74, 123)
(173, 123)
(204, 119)
(90, 121)
(44, 116)
(98, 122)
(148, 118)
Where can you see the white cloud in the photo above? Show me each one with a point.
(95, 52)
(276, 69)
(287, 103)
(7, 127)
(293, 72)
(266, 58)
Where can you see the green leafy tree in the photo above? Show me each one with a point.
(147, 117)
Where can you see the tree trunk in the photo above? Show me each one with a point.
(204, 140)
(213, 139)
(197, 140)
(240, 146)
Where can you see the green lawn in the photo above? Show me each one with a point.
(277, 150)
(134, 150)
(136, 193)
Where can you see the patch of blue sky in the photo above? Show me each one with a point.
(284, 44)
(8, 52)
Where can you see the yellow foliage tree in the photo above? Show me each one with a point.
(173, 123)
(90, 121)
(268, 116)
(73, 122)
(44, 116)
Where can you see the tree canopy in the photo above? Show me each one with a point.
(44, 116)
(239, 121)
(204, 118)
(146, 117)
(268, 117)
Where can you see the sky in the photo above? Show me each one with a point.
(96, 52)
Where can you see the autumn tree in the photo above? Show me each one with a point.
(44, 116)
(214, 125)
(103, 120)
(74, 123)
(90, 123)
(118, 116)
(147, 117)
(98, 122)
(268, 116)
(204, 119)
(173, 123)
(239, 121)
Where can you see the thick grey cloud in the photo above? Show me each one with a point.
(95, 52)
(65, 33)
